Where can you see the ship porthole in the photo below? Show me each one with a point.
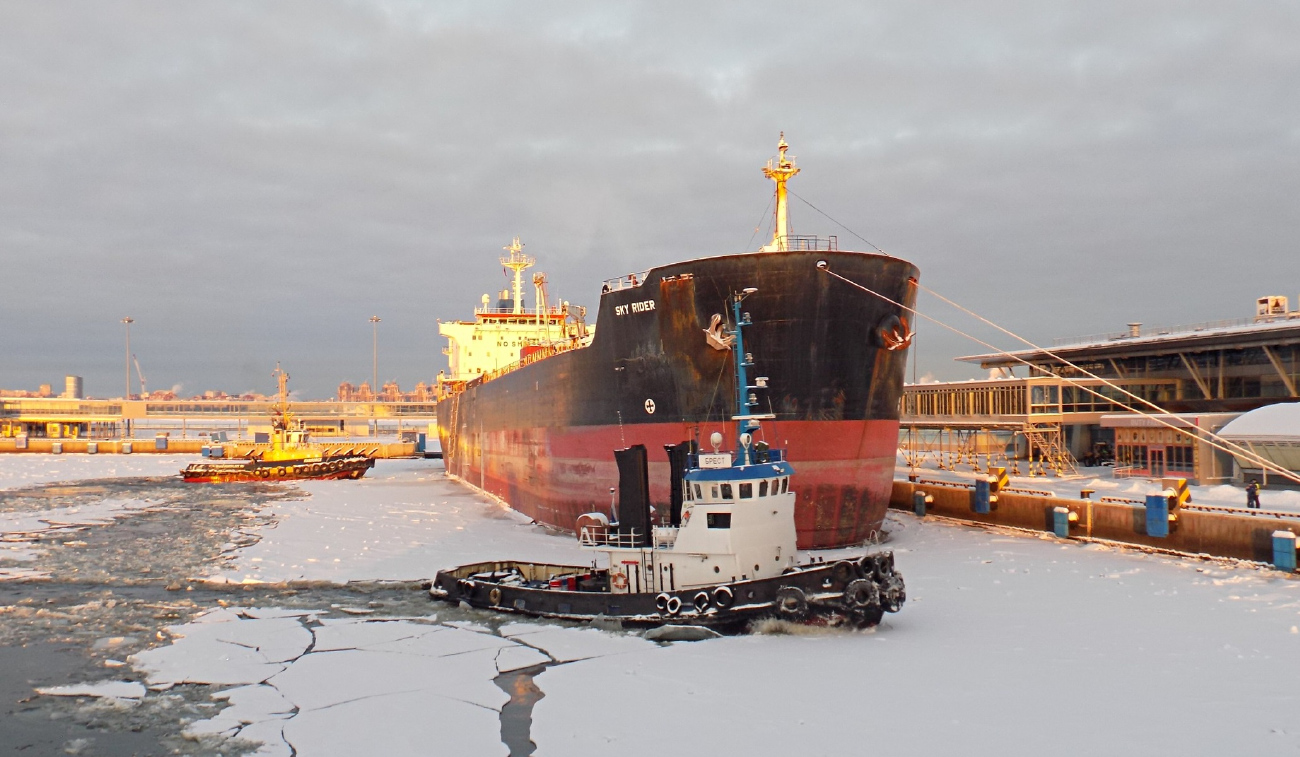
(650, 406)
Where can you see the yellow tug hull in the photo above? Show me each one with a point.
(278, 470)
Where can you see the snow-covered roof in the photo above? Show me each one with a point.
(1280, 421)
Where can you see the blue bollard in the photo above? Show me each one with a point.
(1061, 522)
(980, 497)
(918, 503)
(1284, 551)
(160, 443)
(1157, 515)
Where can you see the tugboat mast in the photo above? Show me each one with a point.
(780, 172)
(517, 261)
(745, 419)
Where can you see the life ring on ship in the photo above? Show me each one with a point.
(494, 596)
(722, 597)
(619, 581)
(701, 600)
(673, 605)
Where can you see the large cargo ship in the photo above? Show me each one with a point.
(537, 426)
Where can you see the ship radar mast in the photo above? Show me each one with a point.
(518, 262)
(780, 172)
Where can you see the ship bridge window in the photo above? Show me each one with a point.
(785, 485)
(726, 492)
(715, 491)
(762, 488)
(698, 494)
(747, 491)
(719, 520)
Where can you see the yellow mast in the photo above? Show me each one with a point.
(517, 261)
(780, 172)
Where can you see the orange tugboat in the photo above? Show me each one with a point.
(291, 455)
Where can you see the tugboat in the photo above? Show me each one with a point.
(727, 557)
(291, 456)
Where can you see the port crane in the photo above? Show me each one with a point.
(139, 374)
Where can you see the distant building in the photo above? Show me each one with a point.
(1204, 375)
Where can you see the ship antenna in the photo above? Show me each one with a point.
(780, 172)
(517, 261)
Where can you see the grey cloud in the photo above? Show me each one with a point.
(252, 181)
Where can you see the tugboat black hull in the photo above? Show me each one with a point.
(539, 437)
(853, 592)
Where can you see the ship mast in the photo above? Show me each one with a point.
(780, 172)
(517, 261)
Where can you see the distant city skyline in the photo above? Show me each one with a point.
(253, 183)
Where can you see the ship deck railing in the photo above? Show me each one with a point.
(629, 281)
(594, 537)
(545, 351)
(807, 243)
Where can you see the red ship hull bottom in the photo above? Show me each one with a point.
(844, 471)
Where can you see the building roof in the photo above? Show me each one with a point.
(1271, 422)
(1218, 335)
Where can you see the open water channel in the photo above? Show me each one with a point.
(89, 595)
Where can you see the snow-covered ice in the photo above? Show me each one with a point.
(1009, 644)
(403, 521)
(109, 689)
(30, 469)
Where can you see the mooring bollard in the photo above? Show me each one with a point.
(980, 497)
(1284, 551)
(919, 499)
(1061, 521)
(1157, 515)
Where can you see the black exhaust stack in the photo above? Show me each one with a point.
(678, 457)
(633, 494)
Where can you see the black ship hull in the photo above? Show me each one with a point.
(857, 591)
(539, 437)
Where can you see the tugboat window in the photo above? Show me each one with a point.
(698, 494)
(715, 491)
(726, 491)
(746, 491)
(762, 488)
(785, 485)
(719, 520)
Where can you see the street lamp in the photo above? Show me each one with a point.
(128, 321)
(374, 365)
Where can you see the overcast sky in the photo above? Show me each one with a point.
(252, 181)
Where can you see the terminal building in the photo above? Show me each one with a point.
(1204, 375)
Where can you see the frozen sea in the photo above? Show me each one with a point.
(1009, 643)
